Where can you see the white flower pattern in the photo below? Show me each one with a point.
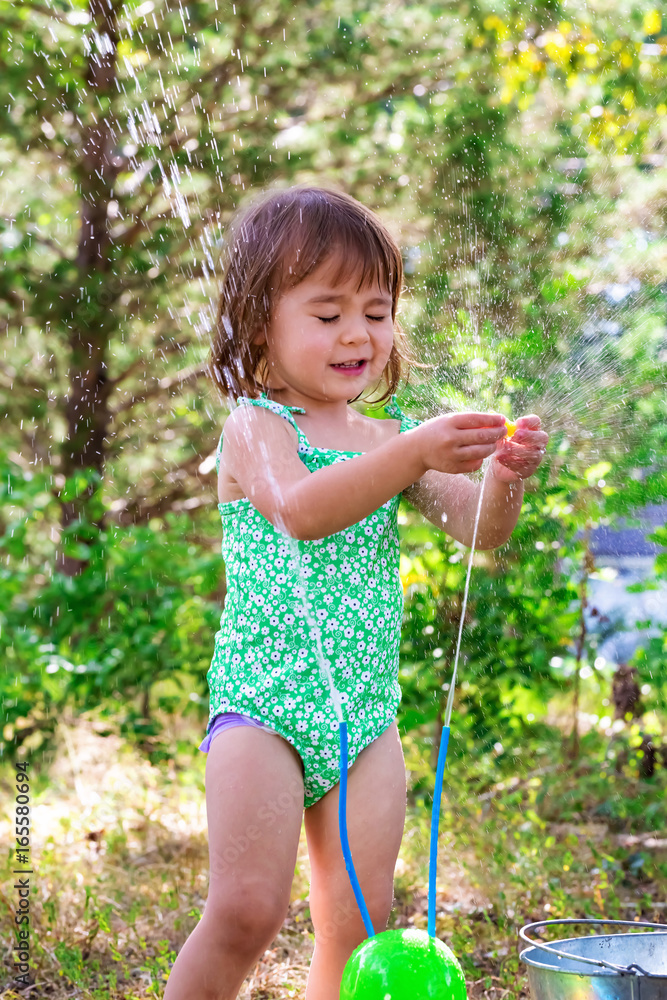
(352, 583)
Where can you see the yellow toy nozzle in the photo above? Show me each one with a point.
(511, 427)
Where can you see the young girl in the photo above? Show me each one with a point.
(307, 323)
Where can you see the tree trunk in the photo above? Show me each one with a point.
(87, 411)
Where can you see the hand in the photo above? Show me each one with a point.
(459, 442)
(519, 456)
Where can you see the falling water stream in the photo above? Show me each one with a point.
(301, 593)
(450, 695)
(444, 738)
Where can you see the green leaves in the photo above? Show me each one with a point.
(556, 289)
(143, 611)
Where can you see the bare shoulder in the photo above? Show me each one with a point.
(251, 426)
(249, 433)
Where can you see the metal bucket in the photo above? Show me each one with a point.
(600, 966)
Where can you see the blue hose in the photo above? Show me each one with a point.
(435, 823)
(342, 826)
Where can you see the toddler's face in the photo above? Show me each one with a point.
(316, 326)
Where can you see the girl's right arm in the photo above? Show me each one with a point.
(261, 452)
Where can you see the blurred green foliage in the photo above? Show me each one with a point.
(143, 610)
(515, 152)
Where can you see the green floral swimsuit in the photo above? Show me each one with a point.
(265, 663)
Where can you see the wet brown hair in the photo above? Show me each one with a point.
(273, 244)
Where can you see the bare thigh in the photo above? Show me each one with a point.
(254, 806)
(376, 800)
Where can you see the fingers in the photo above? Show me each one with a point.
(475, 452)
(464, 421)
(524, 456)
(520, 460)
(530, 422)
(528, 433)
(464, 440)
(523, 452)
(527, 438)
(529, 443)
(481, 436)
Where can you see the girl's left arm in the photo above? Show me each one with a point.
(450, 501)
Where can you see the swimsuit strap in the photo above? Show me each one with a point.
(271, 404)
(268, 404)
(394, 410)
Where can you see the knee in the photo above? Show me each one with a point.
(245, 918)
(337, 920)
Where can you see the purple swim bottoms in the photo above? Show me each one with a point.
(225, 720)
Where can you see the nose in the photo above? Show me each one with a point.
(356, 331)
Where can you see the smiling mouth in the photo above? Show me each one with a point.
(354, 367)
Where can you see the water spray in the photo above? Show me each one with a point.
(402, 964)
(405, 964)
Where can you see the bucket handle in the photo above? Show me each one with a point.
(623, 970)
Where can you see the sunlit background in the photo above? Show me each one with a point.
(518, 153)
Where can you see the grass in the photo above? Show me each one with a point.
(119, 852)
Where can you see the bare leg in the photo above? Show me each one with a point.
(254, 807)
(376, 797)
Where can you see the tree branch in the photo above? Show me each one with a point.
(164, 348)
(11, 295)
(40, 238)
(33, 443)
(129, 235)
(49, 12)
(141, 509)
(163, 385)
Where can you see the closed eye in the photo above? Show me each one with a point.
(332, 319)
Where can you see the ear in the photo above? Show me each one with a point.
(259, 338)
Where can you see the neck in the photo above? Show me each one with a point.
(333, 411)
